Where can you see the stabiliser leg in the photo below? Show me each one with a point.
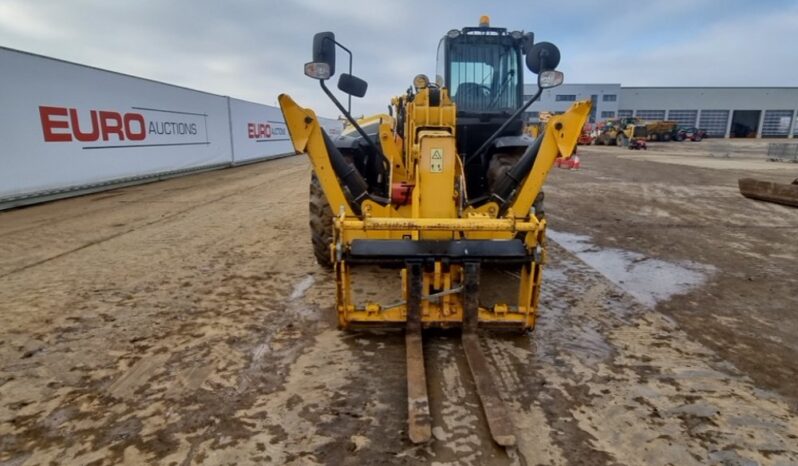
(499, 423)
(419, 419)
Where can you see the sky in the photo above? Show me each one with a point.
(256, 49)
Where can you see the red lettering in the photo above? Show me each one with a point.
(259, 130)
(264, 130)
(138, 118)
(79, 135)
(111, 123)
(130, 125)
(48, 124)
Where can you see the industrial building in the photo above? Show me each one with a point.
(768, 112)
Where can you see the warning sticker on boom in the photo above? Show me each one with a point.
(436, 161)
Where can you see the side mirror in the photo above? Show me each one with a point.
(550, 78)
(352, 85)
(543, 56)
(323, 64)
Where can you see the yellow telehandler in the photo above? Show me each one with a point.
(445, 185)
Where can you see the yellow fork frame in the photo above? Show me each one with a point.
(445, 307)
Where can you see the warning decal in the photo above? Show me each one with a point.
(436, 161)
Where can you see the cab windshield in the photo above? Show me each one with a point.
(484, 77)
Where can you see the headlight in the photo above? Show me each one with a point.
(453, 34)
(550, 78)
(421, 81)
(317, 70)
(517, 35)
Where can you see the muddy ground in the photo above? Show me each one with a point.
(185, 322)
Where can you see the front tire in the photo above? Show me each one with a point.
(321, 223)
(499, 165)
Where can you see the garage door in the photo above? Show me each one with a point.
(714, 122)
(777, 123)
(686, 118)
(651, 115)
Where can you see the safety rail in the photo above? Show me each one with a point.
(783, 152)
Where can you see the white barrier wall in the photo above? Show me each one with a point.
(332, 127)
(69, 128)
(258, 131)
(67, 125)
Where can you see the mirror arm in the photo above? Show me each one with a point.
(349, 97)
(352, 121)
(489, 141)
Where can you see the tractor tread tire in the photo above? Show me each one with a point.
(321, 223)
(499, 165)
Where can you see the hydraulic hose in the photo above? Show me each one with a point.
(352, 179)
(507, 186)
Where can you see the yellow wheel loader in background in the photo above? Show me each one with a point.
(620, 132)
(445, 186)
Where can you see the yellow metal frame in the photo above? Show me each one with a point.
(427, 159)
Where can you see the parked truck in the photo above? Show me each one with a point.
(662, 130)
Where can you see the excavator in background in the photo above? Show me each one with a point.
(443, 188)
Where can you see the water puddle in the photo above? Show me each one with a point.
(297, 305)
(647, 279)
(301, 287)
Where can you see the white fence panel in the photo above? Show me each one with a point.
(66, 126)
(331, 126)
(258, 131)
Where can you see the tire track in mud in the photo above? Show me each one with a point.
(164, 218)
(620, 383)
(216, 317)
(211, 351)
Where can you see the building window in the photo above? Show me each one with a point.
(565, 98)
(607, 114)
(651, 115)
(625, 113)
(776, 123)
(683, 118)
(714, 122)
(609, 97)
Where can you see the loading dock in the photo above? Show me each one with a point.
(745, 123)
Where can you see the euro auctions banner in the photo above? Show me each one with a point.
(258, 131)
(110, 129)
(66, 126)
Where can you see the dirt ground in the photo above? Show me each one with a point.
(186, 322)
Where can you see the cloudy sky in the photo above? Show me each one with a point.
(255, 49)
